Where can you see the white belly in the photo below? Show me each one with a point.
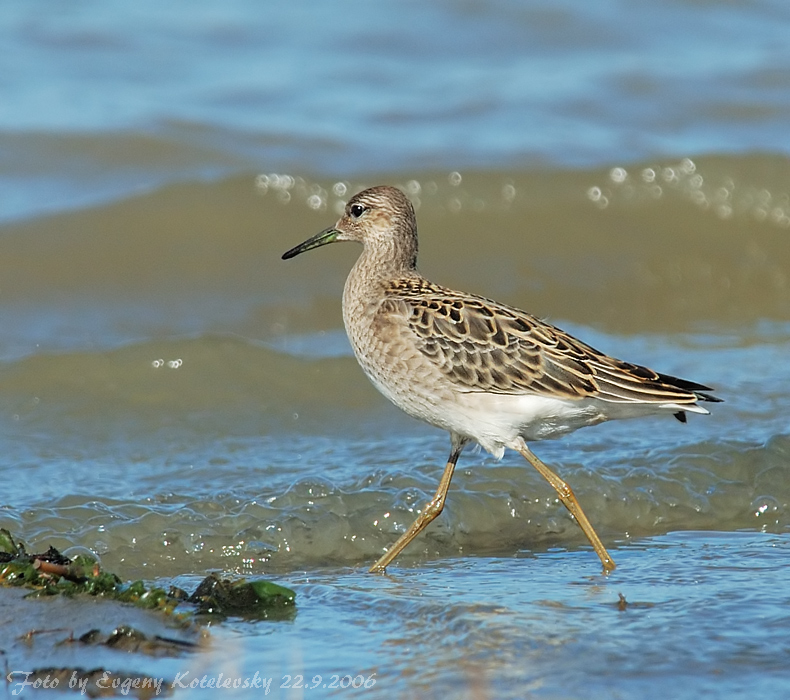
(497, 421)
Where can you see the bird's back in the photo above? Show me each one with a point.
(435, 351)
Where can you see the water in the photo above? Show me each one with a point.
(101, 100)
(179, 400)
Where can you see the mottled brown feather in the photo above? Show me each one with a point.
(485, 346)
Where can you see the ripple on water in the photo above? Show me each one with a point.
(351, 515)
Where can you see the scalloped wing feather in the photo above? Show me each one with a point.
(484, 346)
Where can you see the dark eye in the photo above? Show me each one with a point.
(356, 211)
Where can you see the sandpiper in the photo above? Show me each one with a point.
(483, 371)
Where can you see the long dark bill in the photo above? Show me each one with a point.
(326, 236)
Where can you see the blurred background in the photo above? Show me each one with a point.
(177, 399)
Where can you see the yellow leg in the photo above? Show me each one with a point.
(429, 512)
(569, 500)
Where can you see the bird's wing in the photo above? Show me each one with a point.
(484, 346)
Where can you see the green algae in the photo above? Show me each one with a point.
(51, 573)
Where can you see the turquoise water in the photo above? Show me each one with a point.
(102, 100)
(513, 628)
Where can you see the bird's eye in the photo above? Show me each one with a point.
(356, 210)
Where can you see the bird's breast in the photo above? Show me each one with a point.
(385, 349)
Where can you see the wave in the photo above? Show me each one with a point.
(252, 520)
(654, 247)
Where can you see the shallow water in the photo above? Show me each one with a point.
(179, 400)
(692, 623)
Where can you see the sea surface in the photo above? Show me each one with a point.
(178, 400)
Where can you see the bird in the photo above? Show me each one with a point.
(485, 372)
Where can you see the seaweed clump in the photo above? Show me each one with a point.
(51, 573)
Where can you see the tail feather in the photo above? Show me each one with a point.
(699, 390)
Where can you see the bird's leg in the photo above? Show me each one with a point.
(430, 511)
(569, 500)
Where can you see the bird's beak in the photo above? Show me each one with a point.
(328, 235)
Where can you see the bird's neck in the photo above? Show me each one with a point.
(385, 260)
(372, 274)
